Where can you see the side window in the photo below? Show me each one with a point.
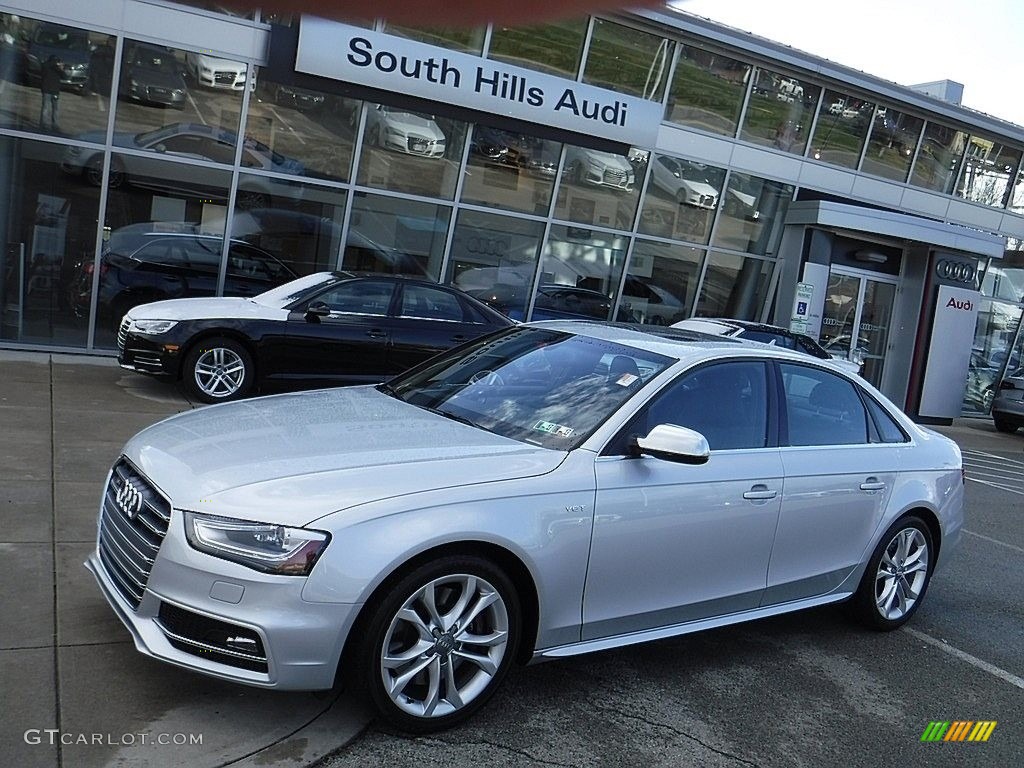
(203, 255)
(158, 252)
(424, 301)
(822, 408)
(725, 402)
(359, 297)
(888, 430)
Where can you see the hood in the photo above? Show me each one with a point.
(293, 458)
(608, 160)
(206, 309)
(421, 126)
(699, 188)
(226, 65)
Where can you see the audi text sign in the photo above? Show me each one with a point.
(341, 52)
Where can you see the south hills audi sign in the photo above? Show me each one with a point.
(341, 52)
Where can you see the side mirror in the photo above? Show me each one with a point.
(673, 443)
(317, 309)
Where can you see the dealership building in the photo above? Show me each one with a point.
(646, 166)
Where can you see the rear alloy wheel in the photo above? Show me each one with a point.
(218, 370)
(1005, 426)
(440, 643)
(897, 576)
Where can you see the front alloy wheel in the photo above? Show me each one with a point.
(897, 575)
(441, 643)
(218, 370)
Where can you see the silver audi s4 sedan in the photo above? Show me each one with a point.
(553, 489)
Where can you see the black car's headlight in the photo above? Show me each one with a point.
(262, 546)
(152, 326)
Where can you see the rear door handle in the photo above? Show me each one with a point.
(872, 484)
(377, 333)
(760, 491)
(459, 337)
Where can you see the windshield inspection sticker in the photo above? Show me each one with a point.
(626, 379)
(554, 429)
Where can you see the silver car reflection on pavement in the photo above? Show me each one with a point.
(550, 490)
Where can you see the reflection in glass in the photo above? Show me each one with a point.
(304, 132)
(494, 259)
(841, 129)
(300, 227)
(510, 170)
(873, 330)
(734, 286)
(988, 170)
(993, 336)
(48, 233)
(779, 112)
(938, 163)
(707, 90)
(396, 236)
(600, 187)
(753, 214)
(162, 107)
(53, 78)
(553, 48)
(661, 282)
(1004, 279)
(165, 225)
(455, 38)
(411, 151)
(838, 316)
(209, 5)
(580, 273)
(628, 60)
(894, 137)
(681, 199)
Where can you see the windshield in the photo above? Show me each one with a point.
(285, 294)
(535, 385)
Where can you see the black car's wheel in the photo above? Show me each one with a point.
(1003, 425)
(247, 200)
(897, 576)
(93, 171)
(439, 643)
(217, 370)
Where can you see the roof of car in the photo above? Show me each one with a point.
(678, 343)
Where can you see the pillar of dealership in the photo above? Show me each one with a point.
(645, 166)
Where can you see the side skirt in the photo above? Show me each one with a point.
(618, 641)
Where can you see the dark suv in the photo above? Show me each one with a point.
(140, 264)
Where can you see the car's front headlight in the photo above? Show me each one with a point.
(152, 326)
(262, 546)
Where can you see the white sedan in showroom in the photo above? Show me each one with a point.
(552, 489)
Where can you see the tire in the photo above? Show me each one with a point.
(247, 201)
(93, 171)
(425, 703)
(873, 604)
(217, 370)
(1007, 427)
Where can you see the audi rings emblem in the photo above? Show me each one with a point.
(957, 271)
(129, 500)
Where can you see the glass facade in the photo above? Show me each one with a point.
(153, 171)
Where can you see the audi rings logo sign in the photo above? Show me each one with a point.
(129, 500)
(957, 271)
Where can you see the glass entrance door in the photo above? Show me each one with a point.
(856, 318)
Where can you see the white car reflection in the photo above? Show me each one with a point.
(602, 169)
(406, 132)
(686, 183)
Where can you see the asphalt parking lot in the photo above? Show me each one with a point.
(807, 689)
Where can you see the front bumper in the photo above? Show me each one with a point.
(301, 641)
(143, 354)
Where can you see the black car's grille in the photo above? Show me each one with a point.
(160, 93)
(228, 78)
(122, 334)
(133, 524)
(708, 201)
(212, 639)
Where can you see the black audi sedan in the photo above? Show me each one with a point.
(328, 327)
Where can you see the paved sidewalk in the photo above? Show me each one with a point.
(66, 661)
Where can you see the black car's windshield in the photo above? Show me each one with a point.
(536, 385)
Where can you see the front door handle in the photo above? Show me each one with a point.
(376, 333)
(459, 337)
(760, 492)
(872, 484)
